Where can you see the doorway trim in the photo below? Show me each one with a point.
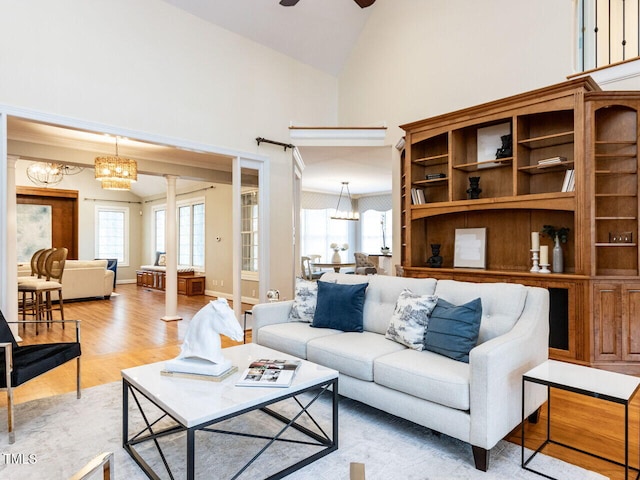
(8, 255)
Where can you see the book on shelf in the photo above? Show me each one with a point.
(552, 160)
(572, 182)
(435, 176)
(201, 376)
(417, 196)
(269, 373)
(568, 184)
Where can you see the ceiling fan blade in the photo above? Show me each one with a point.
(289, 3)
(363, 3)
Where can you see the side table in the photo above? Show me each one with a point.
(602, 384)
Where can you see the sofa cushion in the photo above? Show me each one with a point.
(410, 319)
(339, 306)
(502, 303)
(291, 337)
(157, 262)
(351, 353)
(425, 375)
(453, 329)
(381, 295)
(304, 302)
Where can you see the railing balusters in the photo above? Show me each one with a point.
(598, 50)
(624, 26)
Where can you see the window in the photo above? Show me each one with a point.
(159, 215)
(249, 234)
(318, 231)
(372, 224)
(112, 233)
(191, 234)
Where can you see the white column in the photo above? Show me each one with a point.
(171, 245)
(236, 189)
(10, 304)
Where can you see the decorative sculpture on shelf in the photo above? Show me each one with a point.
(435, 260)
(474, 190)
(201, 350)
(506, 150)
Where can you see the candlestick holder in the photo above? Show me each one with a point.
(534, 258)
(544, 268)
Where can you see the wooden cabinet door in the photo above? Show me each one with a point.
(631, 322)
(607, 322)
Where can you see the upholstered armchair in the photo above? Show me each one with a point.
(363, 265)
(21, 363)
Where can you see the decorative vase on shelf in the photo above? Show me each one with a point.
(558, 266)
(336, 257)
(474, 190)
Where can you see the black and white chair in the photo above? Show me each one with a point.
(21, 363)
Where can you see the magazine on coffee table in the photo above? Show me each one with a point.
(269, 373)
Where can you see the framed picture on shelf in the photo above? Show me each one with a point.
(470, 248)
(489, 141)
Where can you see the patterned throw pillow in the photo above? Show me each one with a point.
(304, 303)
(162, 260)
(410, 319)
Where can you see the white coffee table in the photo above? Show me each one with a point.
(197, 404)
(608, 386)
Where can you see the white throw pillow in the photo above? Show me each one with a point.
(304, 303)
(410, 319)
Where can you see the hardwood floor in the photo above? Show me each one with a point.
(126, 331)
(122, 332)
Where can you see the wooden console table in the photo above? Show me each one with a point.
(188, 282)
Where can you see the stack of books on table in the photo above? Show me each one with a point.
(269, 373)
(198, 369)
(551, 161)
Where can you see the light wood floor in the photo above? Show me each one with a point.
(126, 331)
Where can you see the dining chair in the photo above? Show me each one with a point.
(28, 301)
(307, 273)
(363, 265)
(21, 363)
(41, 290)
(34, 267)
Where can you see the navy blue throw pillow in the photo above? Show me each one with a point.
(453, 330)
(339, 306)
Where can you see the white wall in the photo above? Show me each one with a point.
(420, 58)
(150, 67)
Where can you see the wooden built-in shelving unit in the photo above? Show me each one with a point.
(593, 135)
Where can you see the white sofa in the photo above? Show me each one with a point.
(81, 279)
(478, 402)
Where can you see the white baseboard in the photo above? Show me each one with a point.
(122, 282)
(229, 296)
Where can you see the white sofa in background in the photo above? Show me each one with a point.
(81, 279)
(478, 402)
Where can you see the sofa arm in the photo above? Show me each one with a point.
(108, 283)
(269, 314)
(496, 369)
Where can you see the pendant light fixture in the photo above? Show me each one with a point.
(344, 209)
(49, 174)
(115, 172)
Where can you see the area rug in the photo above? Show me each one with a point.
(56, 436)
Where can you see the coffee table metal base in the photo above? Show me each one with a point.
(148, 434)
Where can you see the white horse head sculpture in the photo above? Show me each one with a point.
(203, 336)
